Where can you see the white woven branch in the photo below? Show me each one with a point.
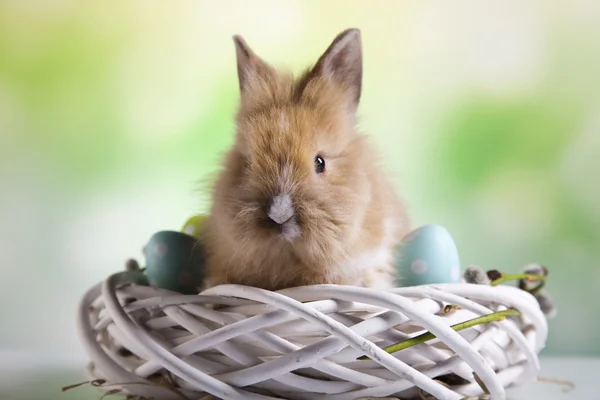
(238, 342)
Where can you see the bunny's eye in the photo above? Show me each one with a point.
(319, 164)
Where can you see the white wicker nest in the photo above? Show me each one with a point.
(238, 342)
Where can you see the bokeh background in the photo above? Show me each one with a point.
(113, 114)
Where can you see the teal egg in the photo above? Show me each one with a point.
(427, 255)
(175, 261)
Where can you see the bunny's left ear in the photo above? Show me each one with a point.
(342, 63)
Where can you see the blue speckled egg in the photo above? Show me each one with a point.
(174, 261)
(427, 255)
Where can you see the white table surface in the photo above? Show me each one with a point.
(24, 377)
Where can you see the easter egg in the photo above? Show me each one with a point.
(193, 226)
(427, 255)
(174, 261)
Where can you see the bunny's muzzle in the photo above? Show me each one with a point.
(281, 212)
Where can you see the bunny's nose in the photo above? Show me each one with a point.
(281, 209)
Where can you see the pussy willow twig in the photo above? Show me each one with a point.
(427, 336)
(515, 277)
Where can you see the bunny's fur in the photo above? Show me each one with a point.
(347, 221)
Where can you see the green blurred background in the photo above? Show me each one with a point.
(113, 114)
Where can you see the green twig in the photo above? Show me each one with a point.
(523, 280)
(515, 277)
(427, 336)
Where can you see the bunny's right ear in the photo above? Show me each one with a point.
(250, 67)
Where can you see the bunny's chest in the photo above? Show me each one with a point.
(373, 265)
(371, 268)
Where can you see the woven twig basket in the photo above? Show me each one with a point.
(238, 342)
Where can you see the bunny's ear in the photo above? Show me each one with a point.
(342, 63)
(250, 67)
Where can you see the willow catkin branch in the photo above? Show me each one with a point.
(427, 336)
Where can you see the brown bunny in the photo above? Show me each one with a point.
(301, 199)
